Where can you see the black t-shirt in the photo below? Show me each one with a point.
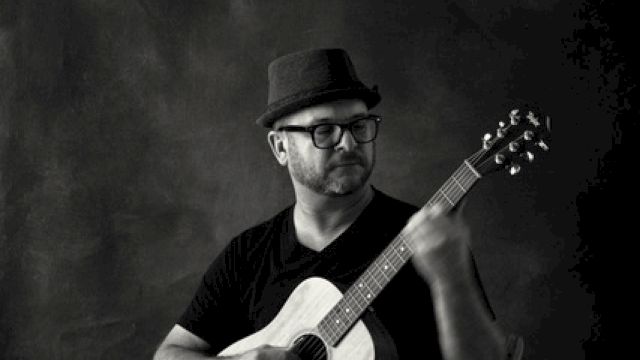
(249, 282)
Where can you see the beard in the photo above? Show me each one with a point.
(333, 180)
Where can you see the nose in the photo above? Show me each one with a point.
(347, 142)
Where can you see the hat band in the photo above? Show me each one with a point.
(324, 88)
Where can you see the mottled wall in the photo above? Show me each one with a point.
(129, 156)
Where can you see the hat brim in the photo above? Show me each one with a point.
(290, 105)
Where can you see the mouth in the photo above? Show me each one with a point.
(350, 163)
(347, 167)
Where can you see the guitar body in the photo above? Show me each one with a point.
(309, 302)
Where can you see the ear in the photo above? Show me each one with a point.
(278, 147)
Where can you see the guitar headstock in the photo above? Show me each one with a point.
(515, 143)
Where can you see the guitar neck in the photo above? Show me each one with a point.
(360, 295)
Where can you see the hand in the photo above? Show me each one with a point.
(441, 244)
(267, 352)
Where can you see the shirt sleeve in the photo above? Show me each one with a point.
(483, 294)
(215, 313)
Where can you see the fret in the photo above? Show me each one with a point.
(332, 325)
(353, 304)
(472, 169)
(455, 192)
(452, 192)
(446, 197)
(402, 250)
(391, 264)
(373, 280)
(458, 183)
(368, 284)
(346, 310)
(384, 268)
(326, 328)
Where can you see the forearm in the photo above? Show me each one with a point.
(175, 352)
(181, 344)
(466, 330)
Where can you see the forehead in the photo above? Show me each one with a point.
(334, 111)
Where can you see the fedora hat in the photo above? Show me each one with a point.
(311, 77)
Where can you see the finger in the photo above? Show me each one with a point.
(435, 210)
(459, 209)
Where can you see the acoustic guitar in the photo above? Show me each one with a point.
(318, 321)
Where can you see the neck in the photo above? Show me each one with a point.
(320, 218)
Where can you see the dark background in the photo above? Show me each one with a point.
(129, 154)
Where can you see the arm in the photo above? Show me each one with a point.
(465, 327)
(181, 344)
(466, 331)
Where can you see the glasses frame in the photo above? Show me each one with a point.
(312, 128)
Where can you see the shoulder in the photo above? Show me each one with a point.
(256, 237)
(245, 250)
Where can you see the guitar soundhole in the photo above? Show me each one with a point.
(309, 347)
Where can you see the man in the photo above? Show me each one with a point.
(322, 131)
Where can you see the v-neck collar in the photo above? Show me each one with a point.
(328, 251)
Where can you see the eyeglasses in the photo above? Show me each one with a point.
(327, 135)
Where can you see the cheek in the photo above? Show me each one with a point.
(322, 160)
(370, 151)
(308, 156)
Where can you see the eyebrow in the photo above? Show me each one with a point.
(329, 120)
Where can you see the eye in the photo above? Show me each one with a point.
(359, 126)
(324, 130)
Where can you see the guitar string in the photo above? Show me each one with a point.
(367, 276)
(317, 350)
(448, 186)
(314, 348)
(305, 345)
(318, 355)
(465, 178)
(335, 330)
(332, 330)
(376, 276)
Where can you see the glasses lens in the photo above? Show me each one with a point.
(364, 130)
(326, 135)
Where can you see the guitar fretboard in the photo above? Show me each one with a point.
(360, 295)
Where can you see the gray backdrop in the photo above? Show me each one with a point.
(130, 157)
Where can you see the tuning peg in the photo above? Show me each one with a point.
(533, 119)
(528, 155)
(514, 146)
(501, 132)
(514, 116)
(529, 135)
(543, 145)
(485, 141)
(502, 124)
(514, 169)
(500, 159)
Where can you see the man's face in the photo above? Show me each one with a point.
(336, 171)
